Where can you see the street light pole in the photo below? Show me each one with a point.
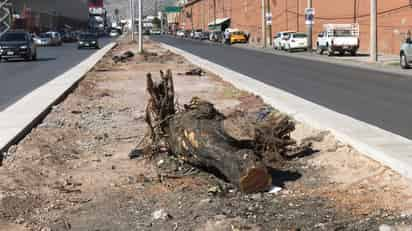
(269, 25)
(132, 21)
(309, 30)
(140, 27)
(214, 14)
(374, 32)
(264, 23)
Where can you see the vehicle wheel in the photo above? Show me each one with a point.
(319, 50)
(330, 51)
(353, 53)
(404, 62)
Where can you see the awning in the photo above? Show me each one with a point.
(221, 24)
(219, 21)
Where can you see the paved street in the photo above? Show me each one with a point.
(18, 78)
(377, 98)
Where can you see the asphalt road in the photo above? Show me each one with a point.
(18, 78)
(377, 98)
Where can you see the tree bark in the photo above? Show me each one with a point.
(197, 135)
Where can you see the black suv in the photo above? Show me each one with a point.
(16, 44)
(88, 40)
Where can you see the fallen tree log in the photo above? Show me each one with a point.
(197, 135)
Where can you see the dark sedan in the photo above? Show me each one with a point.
(16, 44)
(88, 41)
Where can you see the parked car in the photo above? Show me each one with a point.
(180, 33)
(296, 41)
(216, 36)
(17, 44)
(55, 37)
(339, 38)
(204, 35)
(238, 37)
(406, 54)
(88, 40)
(280, 39)
(197, 34)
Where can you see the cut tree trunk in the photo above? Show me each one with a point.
(197, 135)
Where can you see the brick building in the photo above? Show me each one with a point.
(394, 17)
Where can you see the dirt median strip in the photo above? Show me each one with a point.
(72, 172)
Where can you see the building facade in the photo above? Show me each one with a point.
(394, 17)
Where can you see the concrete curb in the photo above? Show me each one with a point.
(18, 119)
(388, 148)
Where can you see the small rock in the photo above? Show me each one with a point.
(256, 196)
(160, 162)
(46, 229)
(113, 167)
(12, 149)
(205, 201)
(19, 220)
(275, 190)
(160, 214)
(385, 228)
(214, 190)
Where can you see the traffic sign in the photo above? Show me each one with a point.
(268, 18)
(310, 16)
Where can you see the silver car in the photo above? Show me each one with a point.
(406, 54)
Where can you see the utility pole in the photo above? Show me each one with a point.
(140, 27)
(309, 30)
(214, 14)
(132, 21)
(374, 32)
(264, 23)
(269, 25)
(297, 15)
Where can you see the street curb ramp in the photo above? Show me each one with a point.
(18, 119)
(385, 147)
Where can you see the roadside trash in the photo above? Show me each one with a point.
(135, 153)
(160, 214)
(275, 190)
(214, 190)
(263, 113)
(194, 72)
(123, 57)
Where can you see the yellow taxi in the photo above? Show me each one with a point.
(237, 37)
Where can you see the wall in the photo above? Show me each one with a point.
(394, 17)
(74, 9)
(244, 14)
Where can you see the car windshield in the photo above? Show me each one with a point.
(342, 33)
(88, 37)
(238, 33)
(8, 37)
(299, 35)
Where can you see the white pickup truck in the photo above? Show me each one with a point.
(339, 38)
